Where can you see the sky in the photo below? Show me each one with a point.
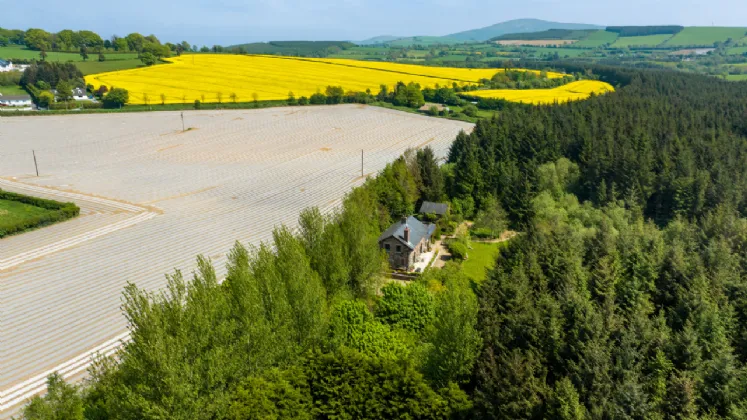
(229, 22)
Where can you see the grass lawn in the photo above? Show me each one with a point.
(14, 212)
(481, 258)
(12, 90)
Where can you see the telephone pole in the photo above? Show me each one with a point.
(182, 121)
(35, 165)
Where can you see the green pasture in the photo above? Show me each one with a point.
(596, 39)
(705, 36)
(640, 41)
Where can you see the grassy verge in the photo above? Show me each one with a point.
(481, 258)
(19, 213)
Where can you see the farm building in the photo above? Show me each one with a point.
(439, 209)
(15, 100)
(406, 241)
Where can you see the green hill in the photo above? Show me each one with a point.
(516, 27)
(705, 36)
(597, 39)
(382, 39)
(557, 34)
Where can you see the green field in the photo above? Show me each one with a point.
(13, 212)
(19, 52)
(12, 90)
(596, 39)
(480, 259)
(737, 51)
(703, 36)
(94, 66)
(640, 41)
(562, 52)
(737, 77)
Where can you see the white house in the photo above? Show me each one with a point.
(15, 100)
(80, 94)
(7, 66)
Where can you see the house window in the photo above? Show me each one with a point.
(387, 247)
(399, 248)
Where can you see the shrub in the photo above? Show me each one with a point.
(57, 213)
(482, 233)
(318, 99)
(198, 104)
(116, 98)
(72, 105)
(409, 307)
(458, 250)
(470, 110)
(303, 100)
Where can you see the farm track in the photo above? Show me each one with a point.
(153, 198)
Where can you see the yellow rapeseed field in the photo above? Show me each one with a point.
(217, 78)
(573, 91)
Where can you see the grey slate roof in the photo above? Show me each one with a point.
(418, 231)
(3, 63)
(434, 208)
(15, 98)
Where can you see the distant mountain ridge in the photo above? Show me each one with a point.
(516, 26)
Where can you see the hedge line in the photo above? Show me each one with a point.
(58, 213)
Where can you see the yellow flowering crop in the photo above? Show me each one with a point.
(223, 78)
(571, 92)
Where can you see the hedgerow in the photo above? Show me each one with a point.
(58, 212)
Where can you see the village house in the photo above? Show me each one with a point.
(7, 66)
(15, 100)
(438, 209)
(405, 242)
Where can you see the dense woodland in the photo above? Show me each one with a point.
(624, 296)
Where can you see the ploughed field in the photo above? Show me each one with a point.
(225, 78)
(152, 198)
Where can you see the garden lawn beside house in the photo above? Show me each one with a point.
(481, 258)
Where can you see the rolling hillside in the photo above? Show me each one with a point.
(515, 27)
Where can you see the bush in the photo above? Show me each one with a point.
(458, 250)
(116, 98)
(198, 104)
(470, 110)
(482, 233)
(58, 212)
(409, 307)
(303, 100)
(71, 105)
(318, 99)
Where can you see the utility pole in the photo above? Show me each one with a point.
(182, 121)
(35, 165)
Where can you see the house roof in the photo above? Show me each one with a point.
(3, 63)
(418, 231)
(429, 207)
(15, 98)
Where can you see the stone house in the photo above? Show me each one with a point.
(405, 241)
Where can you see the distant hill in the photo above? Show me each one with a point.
(559, 34)
(300, 48)
(382, 39)
(515, 27)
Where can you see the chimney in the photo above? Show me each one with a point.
(407, 234)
